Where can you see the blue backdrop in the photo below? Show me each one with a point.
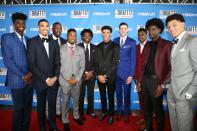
(92, 16)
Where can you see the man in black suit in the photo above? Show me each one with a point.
(44, 61)
(106, 57)
(88, 75)
(56, 35)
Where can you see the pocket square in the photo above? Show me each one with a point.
(181, 50)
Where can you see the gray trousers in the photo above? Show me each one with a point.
(67, 92)
(181, 113)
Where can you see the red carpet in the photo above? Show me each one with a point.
(90, 124)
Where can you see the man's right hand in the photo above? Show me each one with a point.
(101, 78)
(138, 87)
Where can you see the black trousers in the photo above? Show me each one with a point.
(22, 100)
(90, 92)
(50, 94)
(110, 86)
(152, 103)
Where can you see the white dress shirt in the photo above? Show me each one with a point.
(46, 44)
(124, 39)
(88, 48)
(20, 37)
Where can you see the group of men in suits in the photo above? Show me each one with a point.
(60, 69)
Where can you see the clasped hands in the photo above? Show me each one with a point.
(51, 81)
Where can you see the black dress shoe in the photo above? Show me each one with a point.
(126, 118)
(110, 121)
(66, 127)
(56, 129)
(102, 116)
(79, 122)
(92, 115)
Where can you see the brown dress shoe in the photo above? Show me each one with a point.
(141, 121)
(126, 118)
(118, 117)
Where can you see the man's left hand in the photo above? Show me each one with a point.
(159, 90)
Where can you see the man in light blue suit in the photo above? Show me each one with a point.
(125, 70)
(13, 46)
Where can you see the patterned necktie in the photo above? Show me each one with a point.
(22, 40)
(121, 43)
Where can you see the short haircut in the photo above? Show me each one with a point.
(106, 27)
(56, 23)
(42, 20)
(18, 16)
(178, 17)
(86, 30)
(71, 30)
(142, 29)
(155, 22)
(123, 23)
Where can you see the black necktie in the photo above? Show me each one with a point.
(175, 41)
(87, 53)
(45, 39)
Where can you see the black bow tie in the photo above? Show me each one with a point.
(45, 39)
(175, 41)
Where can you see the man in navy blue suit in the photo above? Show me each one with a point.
(125, 70)
(44, 62)
(13, 46)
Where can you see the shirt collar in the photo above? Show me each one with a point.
(19, 36)
(69, 45)
(54, 37)
(124, 38)
(180, 36)
(41, 36)
(143, 44)
(86, 44)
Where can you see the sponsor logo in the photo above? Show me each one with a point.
(101, 13)
(189, 14)
(165, 13)
(34, 29)
(2, 14)
(2, 29)
(191, 29)
(125, 13)
(37, 14)
(56, 14)
(148, 14)
(79, 14)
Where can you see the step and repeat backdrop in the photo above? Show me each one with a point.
(93, 16)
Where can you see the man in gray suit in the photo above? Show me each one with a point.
(182, 93)
(72, 59)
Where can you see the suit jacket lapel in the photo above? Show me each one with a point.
(180, 45)
(18, 41)
(42, 47)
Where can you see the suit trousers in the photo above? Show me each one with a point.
(22, 100)
(182, 112)
(67, 92)
(89, 84)
(110, 86)
(152, 103)
(121, 85)
(49, 94)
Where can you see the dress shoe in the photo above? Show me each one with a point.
(110, 121)
(141, 121)
(126, 118)
(92, 115)
(142, 127)
(82, 117)
(118, 117)
(56, 129)
(59, 117)
(66, 127)
(102, 116)
(78, 121)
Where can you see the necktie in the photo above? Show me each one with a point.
(87, 53)
(58, 40)
(45, 39)
(22, 40)
(71, 51)
(121, 43)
